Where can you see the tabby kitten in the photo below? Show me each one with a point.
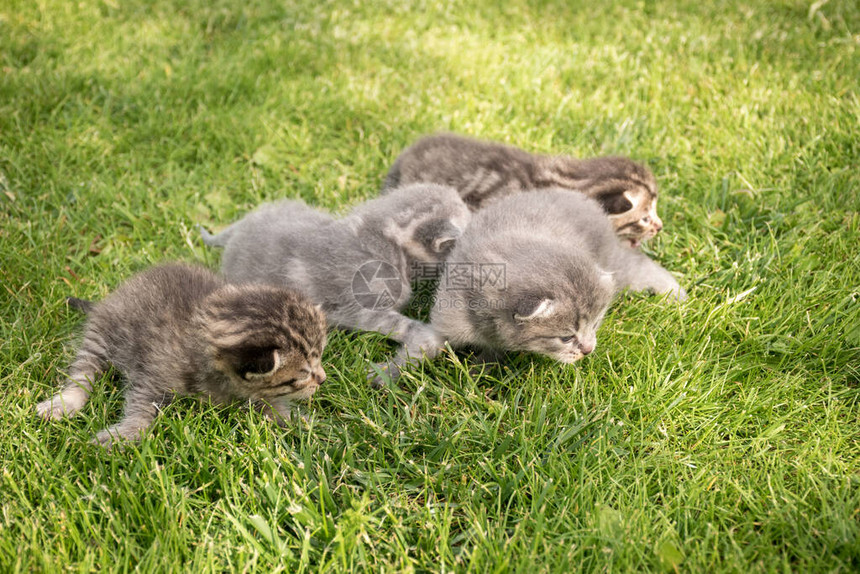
(178, 329)
(358, 267)
(536, 272)
(483, 172)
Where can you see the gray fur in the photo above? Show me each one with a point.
(178, 329)
(80, 304)
(562, 265)
(484, 172)
(288, 243)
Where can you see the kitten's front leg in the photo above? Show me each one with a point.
(89, 363)
(141, 408)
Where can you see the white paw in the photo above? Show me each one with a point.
(50, 410)
(62, 404)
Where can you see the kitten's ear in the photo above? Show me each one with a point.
(256, 362)
(446, 236)
(617, 202)
(532, 307)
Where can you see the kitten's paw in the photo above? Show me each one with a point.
(381, 374)
(676, 292)
(484, 360)
(114, 436)
(49, 409)
(425, 343)
(288, 418)
(280, 412)
(671, 288)
(64, 404)
(105, 439)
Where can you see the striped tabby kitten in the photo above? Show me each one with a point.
(485, 171)
(358, 267)
(536, 272)
(178, 329)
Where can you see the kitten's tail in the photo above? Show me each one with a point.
(80, 304)
(217, 240)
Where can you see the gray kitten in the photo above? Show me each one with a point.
(359, 267)
(483, 172)
(536, 272)
(178, 329)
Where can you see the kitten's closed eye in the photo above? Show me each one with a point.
(568, 339)
(303, 379)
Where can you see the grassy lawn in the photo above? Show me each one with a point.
(721, 434)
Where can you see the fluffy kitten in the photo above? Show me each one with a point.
(358, 267)
(536, 272)
(485, 171)
(178, 329)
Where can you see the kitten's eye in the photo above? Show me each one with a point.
(567, 340)
(646, 219)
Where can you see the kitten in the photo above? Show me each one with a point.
(178, 329)
(483, 172)
(358, 267)
(536, 272)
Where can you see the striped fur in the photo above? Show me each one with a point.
(483, 172)
(177, 329)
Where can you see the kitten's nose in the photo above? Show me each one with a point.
(658, 223)
(319, 375)
(586, 348)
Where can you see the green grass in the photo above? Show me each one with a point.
(722, 434)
